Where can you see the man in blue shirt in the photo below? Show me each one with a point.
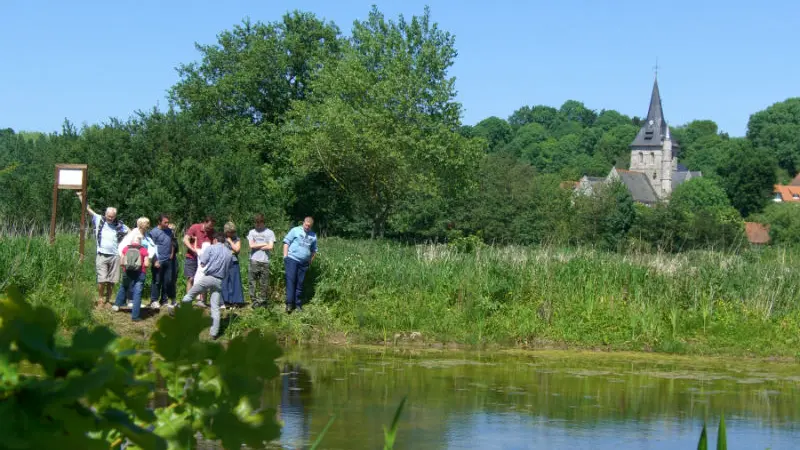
(163, 287)
(299, 249)
(215, 260)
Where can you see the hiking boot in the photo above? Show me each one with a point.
(115, 308)
(155, 305)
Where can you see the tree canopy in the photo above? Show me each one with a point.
(292, 118)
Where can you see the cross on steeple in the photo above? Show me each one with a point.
(655, 68)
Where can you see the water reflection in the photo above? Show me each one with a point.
(531, 401)
(295, 405)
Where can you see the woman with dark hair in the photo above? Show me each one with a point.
(232, 293)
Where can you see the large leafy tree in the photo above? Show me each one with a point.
(255, 70)
(605, 217)
(382, 122)
(748, 175)
(496, 131)
(777, 129)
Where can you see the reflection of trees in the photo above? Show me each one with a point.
(363, 389)
(296, 399)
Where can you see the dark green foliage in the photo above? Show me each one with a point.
(497, 132)
(605, 217)
(255, 70)
(95, 393)
(777, 128)
(699, 215)
(291, 118)
(748, 176)
(514, 205)
(784, 222)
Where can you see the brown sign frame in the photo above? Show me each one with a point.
(84, 168)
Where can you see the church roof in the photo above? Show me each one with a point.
(639, 186)
(680, 176)
(654, 129)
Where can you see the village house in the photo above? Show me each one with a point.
(788, 192)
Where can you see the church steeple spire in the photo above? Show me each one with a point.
(653, 131)
(655, 115)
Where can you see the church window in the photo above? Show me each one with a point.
(652, 157)
(641, 157)
(654, 175)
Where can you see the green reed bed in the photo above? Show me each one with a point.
(700, 302)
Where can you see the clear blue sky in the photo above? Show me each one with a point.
(722, 60)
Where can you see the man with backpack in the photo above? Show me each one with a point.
(135, 261)
(109, 232)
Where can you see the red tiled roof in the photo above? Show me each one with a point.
(788, 192)
(757, 233)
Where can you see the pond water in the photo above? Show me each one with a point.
(549, 400)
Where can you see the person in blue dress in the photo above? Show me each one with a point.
(232, 292)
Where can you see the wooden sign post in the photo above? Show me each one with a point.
(70, 177)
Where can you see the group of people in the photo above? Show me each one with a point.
(211, 265)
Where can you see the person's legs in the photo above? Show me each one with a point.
(138, 286)
(172, 290)
(252, 280)
(291, 280)
(166, 281)
(189, 271)
(122, 293)
(106, 271)
(263, 280)
(215, 287)
(302, 268)
(158, 283)
(196, 290)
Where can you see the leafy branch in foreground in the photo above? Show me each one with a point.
(100, 390)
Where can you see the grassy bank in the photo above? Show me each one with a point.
(743, 303)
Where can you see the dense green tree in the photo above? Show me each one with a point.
(255, 70)
(748, 176)
(608, 119)
(613, 145)
(784, 223)
(496, 131)
(514, 205)
(520, 117)
(525, 138)
(382, 123)
(604, 217)
(575, 111)
(704, 215)
(546, 116)
(777, 129)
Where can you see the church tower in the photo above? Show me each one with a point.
(653, 152)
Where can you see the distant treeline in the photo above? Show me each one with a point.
(292, 118)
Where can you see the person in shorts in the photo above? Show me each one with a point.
(108, 232)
